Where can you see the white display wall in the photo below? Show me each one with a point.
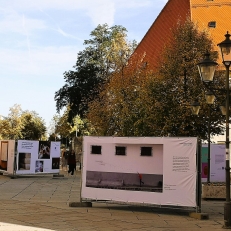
(166, 177)
(34, 157)
(217, 162)
(7, 151)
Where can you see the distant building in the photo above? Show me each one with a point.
(211, 15)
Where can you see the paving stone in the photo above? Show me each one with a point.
(42, 203)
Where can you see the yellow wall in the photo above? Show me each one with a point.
(204, 11)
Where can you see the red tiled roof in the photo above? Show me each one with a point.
(160, 31)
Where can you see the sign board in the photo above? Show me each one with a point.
(217, 162)
(150, 170)
(37, 157)
(7, 151)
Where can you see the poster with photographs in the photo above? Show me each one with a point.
(146, 170)
(35, 157)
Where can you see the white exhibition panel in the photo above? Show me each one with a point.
(172, 158)
(217, 163)
(7, 150)
(29, 160)
(11, 153)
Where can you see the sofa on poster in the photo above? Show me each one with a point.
(24, 161)
(141, 170)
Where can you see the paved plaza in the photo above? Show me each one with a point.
(41, 202)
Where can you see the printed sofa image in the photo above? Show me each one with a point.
(24, 161)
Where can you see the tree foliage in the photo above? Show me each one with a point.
(119, 110)
(22, 125)
(33, 126)
(180, 84)
(106, 52)
(61, 128)
(140, 102)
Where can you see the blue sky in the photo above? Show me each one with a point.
(39, 41)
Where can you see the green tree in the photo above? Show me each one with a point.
(140, 102)
(81, 127)
(53, 134)
(119, 109)
(33, 126)
(106, 52)
(179, 84)
(11, 126)
(4, 129)
(62, 129)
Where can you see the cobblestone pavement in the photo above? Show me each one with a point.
(41, 202)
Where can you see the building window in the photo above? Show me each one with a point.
(121, 151)
(146, 151)
(95, 149)
(212, 24)
(145, 64)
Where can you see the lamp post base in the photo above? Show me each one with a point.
(227, 215)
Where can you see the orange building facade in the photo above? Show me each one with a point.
(211, 15)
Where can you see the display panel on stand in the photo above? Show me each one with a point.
(148, 170)
(217, 163)
(37, 157)
(7, 152)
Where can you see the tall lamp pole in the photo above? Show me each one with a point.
(206, 70)
(225, 47)
(210, 97)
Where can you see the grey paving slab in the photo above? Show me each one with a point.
(42, 203)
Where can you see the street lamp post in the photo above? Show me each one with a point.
(210, 97)
(206, 70)
(209, 142)
(225, 47)
(195, 106)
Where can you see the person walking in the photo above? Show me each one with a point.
(72, 162)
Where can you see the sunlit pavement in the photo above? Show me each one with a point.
(10, 227)
(42, 203)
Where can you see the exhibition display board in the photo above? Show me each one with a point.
(35, 157)
(217, 162)
(149, 170)
(7, 151)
